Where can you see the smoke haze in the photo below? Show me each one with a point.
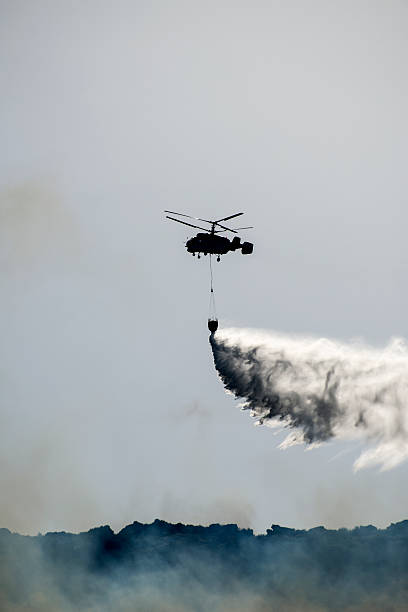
(175, 567)
(321, 389)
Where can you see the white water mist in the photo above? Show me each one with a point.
(322, 389)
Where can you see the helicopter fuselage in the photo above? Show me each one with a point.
(209, 243)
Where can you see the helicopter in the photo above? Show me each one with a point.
(208, 241)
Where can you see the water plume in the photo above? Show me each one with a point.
(321, 389)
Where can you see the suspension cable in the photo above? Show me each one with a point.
(212, 312)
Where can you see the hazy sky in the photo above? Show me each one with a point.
(294, 112)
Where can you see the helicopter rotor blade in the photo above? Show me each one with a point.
(172, 212)
(189, 224)
(189, 216)
(228, 229)
(205, 220)
(236, 229)
(213, 223)
(230, 217)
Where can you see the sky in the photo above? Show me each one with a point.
(295, 113)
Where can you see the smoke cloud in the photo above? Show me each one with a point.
(166, 567)
(321, 389)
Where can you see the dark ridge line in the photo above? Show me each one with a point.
(232, 528)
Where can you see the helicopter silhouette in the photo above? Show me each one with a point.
(209, 242)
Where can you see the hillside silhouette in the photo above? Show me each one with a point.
(169, 567)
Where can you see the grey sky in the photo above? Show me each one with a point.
(294, 112)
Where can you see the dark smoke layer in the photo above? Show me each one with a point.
(167, 568)
(321, 389)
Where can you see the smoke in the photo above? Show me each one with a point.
(321, 389)
(37, 232)
(175, 567)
